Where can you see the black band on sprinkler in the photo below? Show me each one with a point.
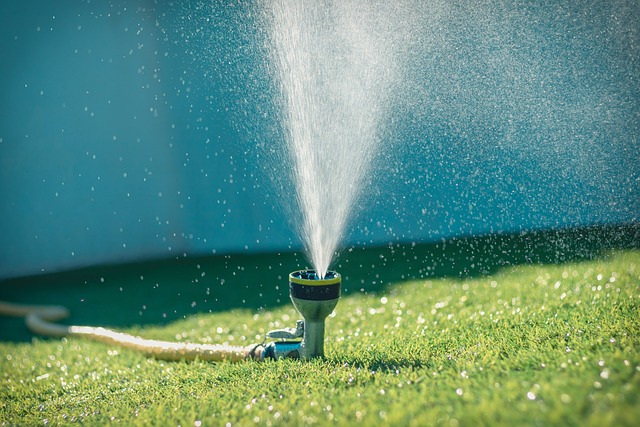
(314, 293)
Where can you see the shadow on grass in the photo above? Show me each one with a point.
(385, 366)
(162, 291)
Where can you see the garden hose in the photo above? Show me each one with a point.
(312, 296)
(40, 320)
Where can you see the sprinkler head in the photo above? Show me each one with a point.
(315, 299)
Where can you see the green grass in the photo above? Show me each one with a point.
(551, 344)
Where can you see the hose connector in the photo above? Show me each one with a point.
(315, 299)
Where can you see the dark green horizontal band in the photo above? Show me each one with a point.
(314, 293)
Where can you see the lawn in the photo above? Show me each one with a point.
(528, 343)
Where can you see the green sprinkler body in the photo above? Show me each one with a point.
(315, 299)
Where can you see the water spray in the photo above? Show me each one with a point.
(313, 297)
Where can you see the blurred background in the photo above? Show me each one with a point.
(130, 130)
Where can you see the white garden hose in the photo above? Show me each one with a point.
(40, 320)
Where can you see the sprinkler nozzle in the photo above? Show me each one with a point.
(315, 299)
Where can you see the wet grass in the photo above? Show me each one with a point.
(534, 344)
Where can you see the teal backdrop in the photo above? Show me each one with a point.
(128, 129)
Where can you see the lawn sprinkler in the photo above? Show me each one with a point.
(313, 297)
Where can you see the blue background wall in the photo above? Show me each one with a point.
(128, 129)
